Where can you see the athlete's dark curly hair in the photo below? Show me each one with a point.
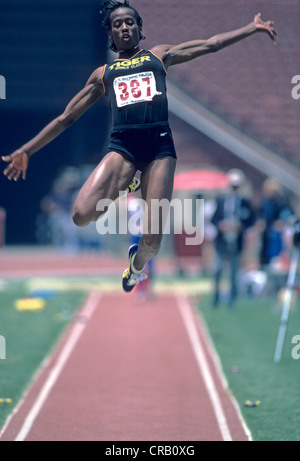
(111, 5)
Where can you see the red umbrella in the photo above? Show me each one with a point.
(200, 180)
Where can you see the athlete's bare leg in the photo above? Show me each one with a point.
(112, 175)
(156, 183)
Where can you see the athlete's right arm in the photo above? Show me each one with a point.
(18, 160)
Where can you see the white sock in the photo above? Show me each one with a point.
(133, 268)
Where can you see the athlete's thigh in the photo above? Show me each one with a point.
(157, 186)
(113, 174)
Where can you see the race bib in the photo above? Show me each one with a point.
(131, 89)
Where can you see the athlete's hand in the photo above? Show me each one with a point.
(17, 165)
(265, 26)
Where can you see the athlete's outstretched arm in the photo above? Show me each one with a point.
(184, 52)
(18, 160)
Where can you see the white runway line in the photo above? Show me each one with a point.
(87, 312)
(218, 367)
(187, 317)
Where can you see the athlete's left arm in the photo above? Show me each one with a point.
(185, 52)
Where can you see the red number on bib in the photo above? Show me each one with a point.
(135, 89)
(124, 93)
(147, 80)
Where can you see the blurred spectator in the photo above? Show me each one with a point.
(57, 206)
(210, 233)
(189, 256)
(274, 214)
(232, 217)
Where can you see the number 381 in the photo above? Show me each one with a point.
(135, 89)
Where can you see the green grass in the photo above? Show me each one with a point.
(246, 337)
(30, 336)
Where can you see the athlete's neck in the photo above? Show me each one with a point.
(127, 54)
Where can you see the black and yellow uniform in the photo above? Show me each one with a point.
(137, 92)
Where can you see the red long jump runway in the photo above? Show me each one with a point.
(126, 371)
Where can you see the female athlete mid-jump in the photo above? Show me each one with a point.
(141, 139)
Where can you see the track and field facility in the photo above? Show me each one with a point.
(86, 362)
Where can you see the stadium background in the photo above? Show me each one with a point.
(47, 52)
(49, 49)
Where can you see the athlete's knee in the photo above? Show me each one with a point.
(80, 218)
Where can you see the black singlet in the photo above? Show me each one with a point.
(136, 89)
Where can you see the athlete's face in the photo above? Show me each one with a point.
(124, 31)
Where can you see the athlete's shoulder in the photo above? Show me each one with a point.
(96, 76)
(161, 52)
